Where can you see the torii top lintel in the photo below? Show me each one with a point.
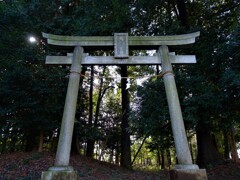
(133, 41)
(121, 43)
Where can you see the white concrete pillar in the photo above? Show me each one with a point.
(179, 134)
(65, 138)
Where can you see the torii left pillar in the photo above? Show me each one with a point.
(61, 168)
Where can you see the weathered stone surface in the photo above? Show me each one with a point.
(120, 45)
(101, 41)
(178, 128)
(59, 173)
(188, 174)
(186, 170)
(65, 138)
(131, 60)
(186, 166)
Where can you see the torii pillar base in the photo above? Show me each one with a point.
(59, 173)
(188, 172)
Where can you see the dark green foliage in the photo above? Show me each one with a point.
(208, 90)
(150, 115)
(32, 94)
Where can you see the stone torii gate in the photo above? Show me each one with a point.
(121, 43)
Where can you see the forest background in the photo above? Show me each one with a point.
(119, 120)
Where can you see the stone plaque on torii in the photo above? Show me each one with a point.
(121, 43)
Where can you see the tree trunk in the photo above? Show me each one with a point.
(125, 136)
(191, 150)
(182, 13)
(158, 70)
(139, 149)
(163, 159)
(99, 99)
(233, 146)
(110, 160)
(226, 145)
(169, 158)
(40, 147)
(117, 154)
(169, 13)
(90, 142)
(103, 146)
(158, 157)
(30, 139)
(74, 148)
(54, 141)
(207, 151)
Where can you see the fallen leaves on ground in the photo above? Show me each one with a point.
(23, 165)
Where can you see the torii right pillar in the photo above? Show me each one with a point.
(185, 169)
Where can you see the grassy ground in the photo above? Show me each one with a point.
(21, 165)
